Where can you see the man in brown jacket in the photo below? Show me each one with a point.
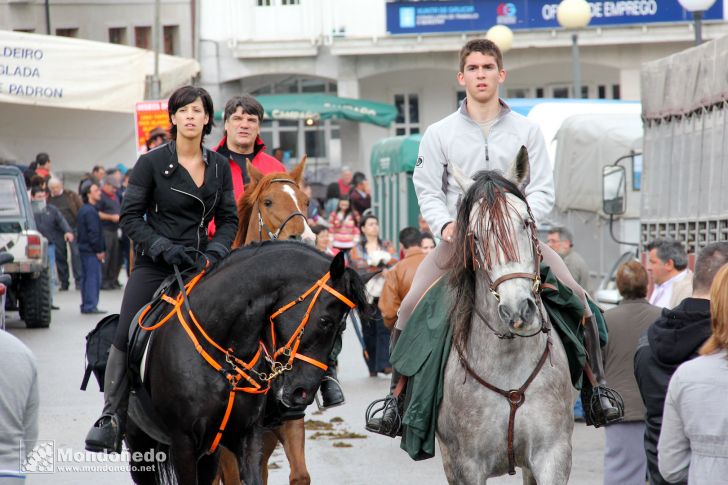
(398, 280)
(625, 462)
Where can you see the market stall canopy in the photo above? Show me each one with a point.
(63, 72)
(323, 107)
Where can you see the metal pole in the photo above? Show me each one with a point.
(698, 18)
(576, 67)
(156, 38)
(48, 17)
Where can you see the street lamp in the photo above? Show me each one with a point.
(501, 36)
(697, 7)
(574, 15)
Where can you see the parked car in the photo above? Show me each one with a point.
(29, 291)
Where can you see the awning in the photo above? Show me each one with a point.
(394, 155)
(323, 107)
(46, 70)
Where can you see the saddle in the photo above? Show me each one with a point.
(159, 308)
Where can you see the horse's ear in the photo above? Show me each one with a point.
(520, 170)
(255, 174)
(463, 181)
(297, 172)
(338, 266)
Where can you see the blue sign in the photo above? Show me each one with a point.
(480, 15)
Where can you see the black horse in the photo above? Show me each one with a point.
(234, 305)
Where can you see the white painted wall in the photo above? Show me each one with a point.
(312, 19)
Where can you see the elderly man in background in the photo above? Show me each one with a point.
(109, 208)
(667, 263)
(68, 203)
(561, 240)
(625, 462)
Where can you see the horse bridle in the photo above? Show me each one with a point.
(535, 277)
(515, 397)
(261, 224)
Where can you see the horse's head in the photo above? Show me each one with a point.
(274, 207)
(327, 305)
(496, 247)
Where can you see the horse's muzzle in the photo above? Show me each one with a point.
(519, 316)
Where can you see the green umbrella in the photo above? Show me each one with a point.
(324, 106)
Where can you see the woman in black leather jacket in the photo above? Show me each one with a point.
(174, 192)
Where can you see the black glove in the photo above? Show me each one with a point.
(214, 253)
(175, 254)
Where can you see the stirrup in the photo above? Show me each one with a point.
(319, 397)
(384, 416)
(105, 436)
(602, 406)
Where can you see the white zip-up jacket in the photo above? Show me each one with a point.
(460, 140)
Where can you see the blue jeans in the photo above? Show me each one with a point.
(90, 281)
(52, 265)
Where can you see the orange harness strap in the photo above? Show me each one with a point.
(290, 349)
(232, 377)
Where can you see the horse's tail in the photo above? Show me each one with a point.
(164, 469)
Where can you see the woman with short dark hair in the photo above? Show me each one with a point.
(173, 194)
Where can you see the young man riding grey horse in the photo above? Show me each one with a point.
(484, 134)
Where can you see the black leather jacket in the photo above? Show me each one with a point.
(176, 210)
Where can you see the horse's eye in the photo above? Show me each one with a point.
(325, 322)
(268, 202)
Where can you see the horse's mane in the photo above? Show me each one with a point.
(493, 232)
(354, 285)
(247, 201)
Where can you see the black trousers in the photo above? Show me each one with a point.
(112, 262)
(143, 282)
(376, 339)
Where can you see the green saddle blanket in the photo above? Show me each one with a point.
(428, 331)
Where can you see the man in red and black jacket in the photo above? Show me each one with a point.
(243, 116)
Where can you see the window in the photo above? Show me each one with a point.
(9, 200)
(117, 35)
(539, 92)
(264, 3)
(290, 2)
(518, 93)
(616, 94)
(408, 114)
(561, 92)
(143, 37)
(27, 31)
(601, 91)
(585, 92)
(73, 32)
(171, 36)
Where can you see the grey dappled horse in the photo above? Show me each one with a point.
(502, 339)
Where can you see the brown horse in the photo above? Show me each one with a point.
(273, 207)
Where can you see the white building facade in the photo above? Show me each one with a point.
(401, 53)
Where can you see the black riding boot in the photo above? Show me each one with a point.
(331, 392)
(602, 405)
(108, 431)
(384, 416)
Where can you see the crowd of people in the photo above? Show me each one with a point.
(86, 247)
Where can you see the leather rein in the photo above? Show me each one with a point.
(261, 224)
(232, 368)
(515, 397)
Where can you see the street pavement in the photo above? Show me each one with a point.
(67, 412)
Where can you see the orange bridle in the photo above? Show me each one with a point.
(290, 349)
(235, 369)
